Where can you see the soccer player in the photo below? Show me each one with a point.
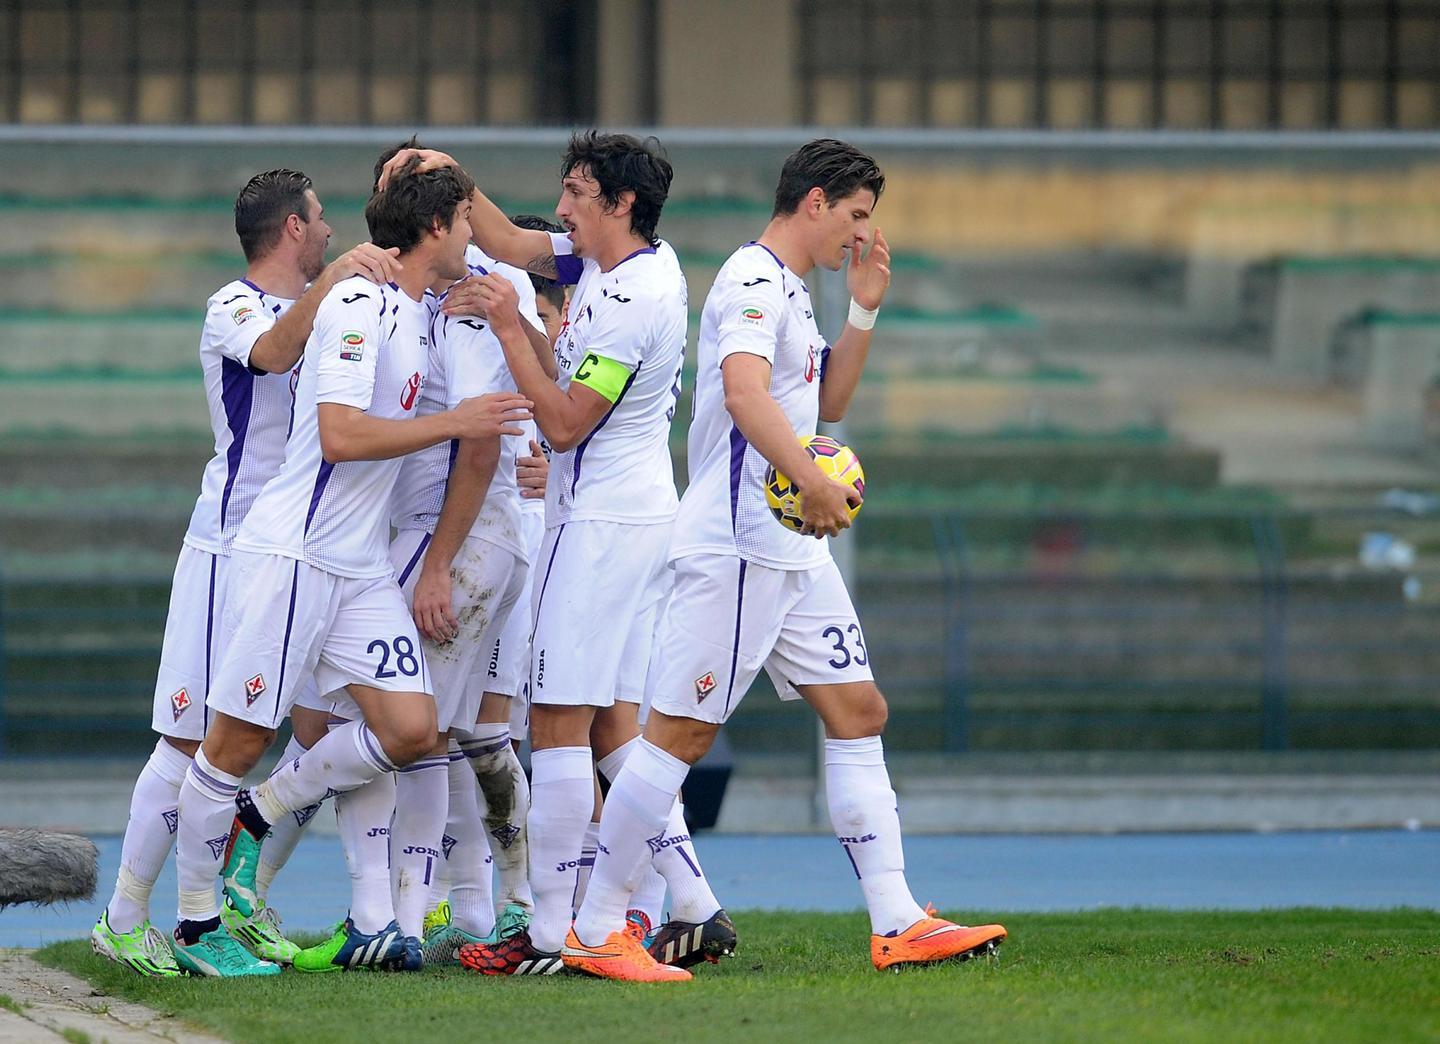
(313, 590)
(601, 573)
(461, 558)
(749, 592)
(255, 329)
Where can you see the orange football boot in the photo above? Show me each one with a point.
(933, 939)
(622, 956)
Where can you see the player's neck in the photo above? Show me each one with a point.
(618, 249)
(783, 240)
(277, 277)
(417, 274)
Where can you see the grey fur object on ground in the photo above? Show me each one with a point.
(43, 867)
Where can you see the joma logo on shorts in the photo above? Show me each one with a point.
(540, 670)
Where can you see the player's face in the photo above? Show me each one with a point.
(842, 228)
(550, 317)
(317, 238)
(450, 257)
(581, 210)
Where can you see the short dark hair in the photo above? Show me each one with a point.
(411, 203)
(388, 155)
(620, 163)
(546, 288)
(839, 169)
(264, 204)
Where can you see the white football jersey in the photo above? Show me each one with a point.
(760, 307)
(634, 314)
(249, 412)
(369, 349)
(465, 361)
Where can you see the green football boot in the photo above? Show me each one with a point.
(143, 949)
(436, 918)
(513, 920)
(237, 877)
(219, 954)
(260, 933)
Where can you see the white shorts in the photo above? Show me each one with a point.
(485, 583)
(286, 620)
(727, 618)
(189, 651)
(597, 589)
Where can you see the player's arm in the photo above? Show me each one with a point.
(279, 348)
(349, 433)
(824, 502)
(492, 231)
(565, 417)
(474, 467)
(867, 279)
(464, 299)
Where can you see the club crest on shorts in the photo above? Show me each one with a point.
(705, 685)
(179, 703)
(253, 688)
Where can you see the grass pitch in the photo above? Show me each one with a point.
(1294, 975)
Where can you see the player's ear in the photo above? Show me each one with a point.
(815, 200)
(624, 203)
(295, 226)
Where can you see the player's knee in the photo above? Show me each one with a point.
(408, 740)
(187, 747)
(874, 713)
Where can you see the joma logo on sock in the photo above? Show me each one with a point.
(659, 842)
(378, 832)
(420, 850)
(569, 864)
(856, 840)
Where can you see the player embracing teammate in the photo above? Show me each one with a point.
(749, 592)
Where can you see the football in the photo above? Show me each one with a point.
(835, 459)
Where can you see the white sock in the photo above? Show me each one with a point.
(421, 800)
(675, 861)
(587, 862)
(149, 835)
(467, 853)
(284, 832)
(867, 824)
(636, 811)
(562, 797)
(206, 810)
(347, 757)
(505, 806)
(363, 815)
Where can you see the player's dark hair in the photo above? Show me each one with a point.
(412, 203)
(839, 169)
(388, 155)
(546, 288)
(263, 206)
(620, 163)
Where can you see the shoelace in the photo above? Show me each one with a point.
(231, 954)
(268, 917)
(155, 947)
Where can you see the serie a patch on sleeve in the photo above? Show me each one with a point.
(352, 346)
(243, 314)
(605, 377)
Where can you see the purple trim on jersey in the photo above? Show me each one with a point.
(285, 643)
(410, 565)
(252, 286)
(762, 246)
(237, 394)
(627, 257)
(568, 269)
(738, 445)
(735, 649)
(580, 449)
(824, 362)
(540, 598)
(322, 479)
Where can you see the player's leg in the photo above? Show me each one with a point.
(821, 656)
(470, 906)
(504, 803)
(124, 932)
(613, 737)
(588, 848)
(719, 624)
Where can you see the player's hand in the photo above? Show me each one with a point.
(368, 260)
(825, 506)
(868, 278)
(532, 472)
(431, 607)
(464, 299)
(430, 159)
(500, 301)
(486, 416)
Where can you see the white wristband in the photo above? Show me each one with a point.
(862, 318)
